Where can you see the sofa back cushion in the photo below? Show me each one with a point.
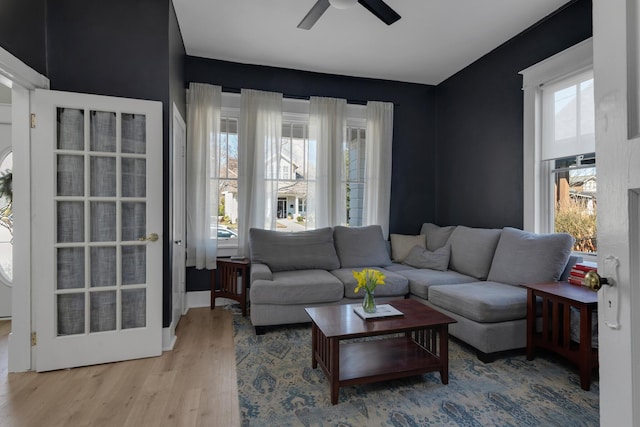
(303, 250)
(361, 246)
(524, 257)
(437, 236)
(472, 250)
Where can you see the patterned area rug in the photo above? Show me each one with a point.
(277, 387)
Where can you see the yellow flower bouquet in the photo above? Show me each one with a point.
(368, 279)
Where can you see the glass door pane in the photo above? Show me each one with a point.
(101, 221)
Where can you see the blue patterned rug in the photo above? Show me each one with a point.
(277, 387)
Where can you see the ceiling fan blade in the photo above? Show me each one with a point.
(314, 14)
(381, 10)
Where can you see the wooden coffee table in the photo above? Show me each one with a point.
(424, 347)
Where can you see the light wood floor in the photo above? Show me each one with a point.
(193, 385)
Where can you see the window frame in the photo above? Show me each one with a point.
(537, 174)
(294, 111)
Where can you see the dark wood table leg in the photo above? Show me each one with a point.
(444, 353)
(314, 345)
(586, 354)
(212, 282)
(334, 369)
(531, 323)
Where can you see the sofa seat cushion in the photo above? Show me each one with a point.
(421, 279)
(297, 287)
(361, 246)
(302, 250)
(394, 283)
(524, 257)
(483, 302)
(472, 250)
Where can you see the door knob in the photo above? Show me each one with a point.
(593, 281)
(152, 237)
(177, 242)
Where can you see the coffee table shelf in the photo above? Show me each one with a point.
(385, 359)
(412, 344)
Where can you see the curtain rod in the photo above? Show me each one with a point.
(349, 101)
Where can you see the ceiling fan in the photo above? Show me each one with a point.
(377, 7)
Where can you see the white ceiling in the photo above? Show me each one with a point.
(433, 40)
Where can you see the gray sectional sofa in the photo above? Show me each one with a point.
(471, 274)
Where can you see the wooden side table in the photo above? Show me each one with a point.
(557, 300)
(233, 275)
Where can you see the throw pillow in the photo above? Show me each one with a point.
(401, 244)
(524, 257)
(361, 246)
(419, 257)
(437, 236)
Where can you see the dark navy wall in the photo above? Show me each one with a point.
(479, 124)
(128, 49)
(177, 56)
(22, 31)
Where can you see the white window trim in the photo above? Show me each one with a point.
(573, 60)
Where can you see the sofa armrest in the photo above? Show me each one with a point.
(260, 272)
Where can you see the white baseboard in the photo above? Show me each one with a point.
(203, 299)
(198, 299)
(168, 338)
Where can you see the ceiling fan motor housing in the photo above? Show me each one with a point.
(343, 4)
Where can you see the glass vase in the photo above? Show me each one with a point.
(369, 302)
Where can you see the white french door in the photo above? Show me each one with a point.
(97, 221)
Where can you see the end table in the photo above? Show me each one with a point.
(233, 275)
(557, 298)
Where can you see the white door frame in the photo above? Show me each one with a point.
(178, 176)
(22, 79)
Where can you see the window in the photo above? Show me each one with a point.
(227, 188)
(6, 218)
(354, 165)
(575, 201)
(560, 179)
(568, 129)
(295, 173)
(295, 177)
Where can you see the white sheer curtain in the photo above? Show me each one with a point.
(326, 198)
(377, 170)
(203, 128)
(259, 140)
